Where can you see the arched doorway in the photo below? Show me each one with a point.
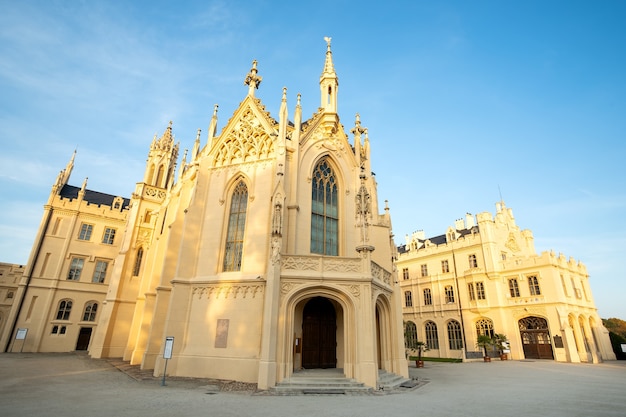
(535, 338)
(319, 334)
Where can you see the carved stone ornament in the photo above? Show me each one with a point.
(246, 142)
(228, 291)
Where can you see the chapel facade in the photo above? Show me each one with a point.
(265, 253)
(484, 277)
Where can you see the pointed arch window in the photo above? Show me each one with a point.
(410, 334)
(236, 227)
(324, 210)
(455, 337)
(432, 339)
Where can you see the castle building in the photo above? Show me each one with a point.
(483, 277)
(263, 253)
(10, 276)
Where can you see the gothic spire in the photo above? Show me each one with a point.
(329, 82)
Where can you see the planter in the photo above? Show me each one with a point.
(486, 359)
(504, 357)
(419, 364)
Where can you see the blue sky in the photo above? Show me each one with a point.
(463, 100)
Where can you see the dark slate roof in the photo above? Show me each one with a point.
(439, 240)
(91, 197)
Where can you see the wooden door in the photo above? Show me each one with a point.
(535, 338)
(319, 334)
(84, 336)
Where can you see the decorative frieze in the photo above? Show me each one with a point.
(225, 291)
(322, 264)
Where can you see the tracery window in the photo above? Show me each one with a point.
(473, 263)
(444, 266)
(405, 273)
(455, 338)
(432, 339)
(65, 308)
(424, 270)
(410, 334)
(484, 327)
(236, 227)
(324, 210)
(533, 285)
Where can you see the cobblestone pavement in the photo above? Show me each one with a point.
(69, 384)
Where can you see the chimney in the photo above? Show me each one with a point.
(469, 221)
(459, 224)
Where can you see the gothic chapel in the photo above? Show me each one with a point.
(266, 253)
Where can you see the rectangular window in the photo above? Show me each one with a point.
(513, 288)
(424, 269)
(470, 289)
(100, 272)
(533, 285)
(480, 291)
(76, 267)
(428, 298)
(109, 236)
(405, 273)
(408, 299)
(472, 261)
(85, 231)
(444, 266)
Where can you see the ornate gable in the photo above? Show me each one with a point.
(247, 137)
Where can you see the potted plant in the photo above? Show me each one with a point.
(483, 342)
(420, 347)
(501, 342)
(413, 345)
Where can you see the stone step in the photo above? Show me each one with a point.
(388, 380)
(319, 382)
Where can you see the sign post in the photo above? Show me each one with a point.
(21, 335)
(167, 354)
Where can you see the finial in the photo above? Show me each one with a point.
(215, 110)
(298, 101)
(284, 93)
(327, 39)
(252, 79)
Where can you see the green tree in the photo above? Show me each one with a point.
(616, 326)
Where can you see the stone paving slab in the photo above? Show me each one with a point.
(70, 385)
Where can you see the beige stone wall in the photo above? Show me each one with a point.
(492, 255)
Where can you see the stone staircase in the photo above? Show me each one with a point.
(333, 381)
(319, 381)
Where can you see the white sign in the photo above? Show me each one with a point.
(21, 334)
(623, 348)
(169, 345)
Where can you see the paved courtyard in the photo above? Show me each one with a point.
(74, 385)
